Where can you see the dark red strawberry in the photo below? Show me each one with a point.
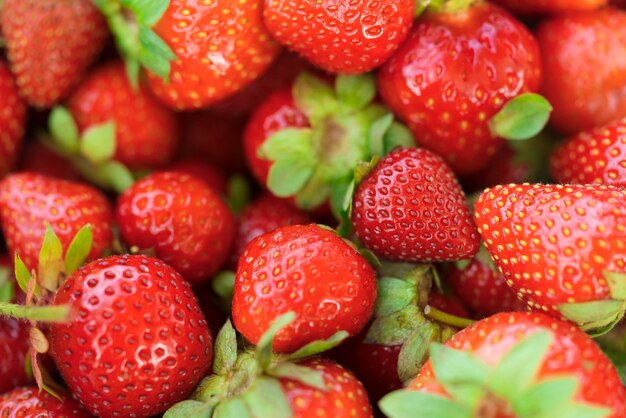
(214, 178)
(504, 365)
(454, 73)
(13, 352)
(145, 131)
(503, 169)
(265, 214)
(597, 156)
(32, 402)
(562, 248)
(584, 61)
(447, 304)
(138, 342)
(29, 201)
(12, 120)
(178, 216)
(338, 36)
(310, 271)
(37, 157)
(50, 43)
(535, 7)
(410, 207)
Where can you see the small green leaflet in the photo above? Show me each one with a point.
(79, 249)
(522, 117)
(63, 130)
(264, 348)
(411, 404)
(355, 92)
(98, 143)
(225, 349)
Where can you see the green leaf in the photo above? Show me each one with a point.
(396, 328)
(63, 130)
(412, 404)
(98, 143)
(318, 347)
(288, 176)
(264, 348)
(147, 12)
(79, 249)
(315, 192)
(306, 375)
(377, 134)
(22, 275)
(592, 312)
(7, 291)
(414, 351)
(115, 175)
(579, 410)
(224, 284)
(292, 142)
(51, 263)
(393, 295)
(132, 71)
(355, 92)
(617, 284)
(546, 396)
(225, 349)
(396, 136)
(314, 97)
(232, 408)
(521, 118)
(523, 361)
(189, 408)
(154, 53)
(454, 367)
(214, 386)
(266, 399)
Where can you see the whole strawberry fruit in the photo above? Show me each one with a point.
(12, 120)
(178, 216)
(455, 71)
(597, 156)
(503, 366)
(562, 248)
(410, 207)
(339, 36)
(32, 402)
(310, 271)
(138, 342)
(535, 7)
(50, 43)
(145, 131)
(584, 61)
(29, 201)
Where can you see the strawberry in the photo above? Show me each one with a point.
(308, 270)
(29, 201)
(31, 402)
(50, 43)
(265, 214)
(13, 352)
(339, 36)
(213, 177)
(38, 157)
(145, 131)
(484, 58)
(212, 61)
(448, 304)
(504, 365)
(536, 7)
(584, 68)
(562, 248)
(178, 216)
(138, 342)
(12, 120)
(410, 207)
(596, 156)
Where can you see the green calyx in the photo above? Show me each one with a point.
(478, 390)
(444, 6)
(92, 154)
(599, 317)
(317, 163)
(246, 383)
(131, 22)
(522, 118)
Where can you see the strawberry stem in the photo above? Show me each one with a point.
(35, 313)
(450, 6)
(446, 318)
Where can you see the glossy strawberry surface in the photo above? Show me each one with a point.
(310, 271)
(12, 120)
(534, 7)
(31, 402)
(411, 208)
(138, 342)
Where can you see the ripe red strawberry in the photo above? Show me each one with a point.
(410, 207)
(178, 216)
(200, 169)
(484, 58)
(338, 36)
(145, 131)
(562, 248)
(28, 201)
(265, 214)
(32, 402)
(138, 343)
(308, 270)
(597, 156)
(504, 365)
(37, 157)
(13, 352)
(221, 47)
(12, 120)
(535, 7)
(584, 68)
(482, 289)
(50, 43)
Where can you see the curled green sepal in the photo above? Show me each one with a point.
(98, 143)
(225, 349)
(78, 250)
(264, 347)
(266, 399)
(521, 118)
(51, 263)
(190, 408)
(63, 129)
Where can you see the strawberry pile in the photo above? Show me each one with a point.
(309, 209)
